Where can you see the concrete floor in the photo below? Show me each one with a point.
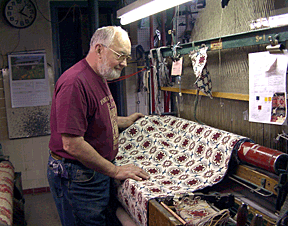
(40, 210)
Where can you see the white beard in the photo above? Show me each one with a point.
(109, 73)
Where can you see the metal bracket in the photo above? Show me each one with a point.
(253, 187)
(275, 46)
(282, 190)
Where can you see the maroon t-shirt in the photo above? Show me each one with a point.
(82, 105)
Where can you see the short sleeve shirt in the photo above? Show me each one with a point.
(82, 105)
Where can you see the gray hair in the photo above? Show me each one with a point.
(105, 35)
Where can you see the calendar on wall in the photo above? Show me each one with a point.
(27, 109)
(29, 82)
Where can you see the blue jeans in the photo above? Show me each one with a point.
(81, 195)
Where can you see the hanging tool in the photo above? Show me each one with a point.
(157, 38)
(164, 78)
(175, 56)
(140, 58)
(155, 82)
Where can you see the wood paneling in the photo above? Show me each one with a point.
(232, 116)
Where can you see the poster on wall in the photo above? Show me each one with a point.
(267, 87)
(29, 82)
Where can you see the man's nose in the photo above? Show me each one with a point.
(124, 62)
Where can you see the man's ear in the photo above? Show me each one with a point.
(98, 48)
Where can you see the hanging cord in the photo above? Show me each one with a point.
(195, 107)
(127, 76)
(72, 7)
(220, 40)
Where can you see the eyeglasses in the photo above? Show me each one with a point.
(120, 57)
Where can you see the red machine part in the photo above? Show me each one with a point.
(265, 158)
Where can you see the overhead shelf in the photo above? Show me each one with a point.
(255, 37)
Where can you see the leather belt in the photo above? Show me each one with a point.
(55, 156)
(58, 157)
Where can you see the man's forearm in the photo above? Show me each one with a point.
(124, 122)
(88, 156)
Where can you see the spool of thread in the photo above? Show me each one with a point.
(265, 158)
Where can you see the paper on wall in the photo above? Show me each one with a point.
(267, 87)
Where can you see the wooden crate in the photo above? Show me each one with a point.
(159, 216)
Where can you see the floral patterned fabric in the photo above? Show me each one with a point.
(181, 156)
(199, 60)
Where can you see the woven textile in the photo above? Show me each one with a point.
(181, 156)
(199, 60)
(6, 192)
(204, 83)
(197, 212)
(278, 111)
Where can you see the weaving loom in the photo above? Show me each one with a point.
(181, 156)
(184, 157)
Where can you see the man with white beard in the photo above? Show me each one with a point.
(84, 131)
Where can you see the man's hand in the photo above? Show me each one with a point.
(133, 118)
(130, 171)
(125, 122)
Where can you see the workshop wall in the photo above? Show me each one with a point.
(28, 155)
(229, 72)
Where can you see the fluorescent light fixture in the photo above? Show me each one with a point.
(144, 8)
(272, 21)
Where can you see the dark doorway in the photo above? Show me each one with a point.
(71, 37)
